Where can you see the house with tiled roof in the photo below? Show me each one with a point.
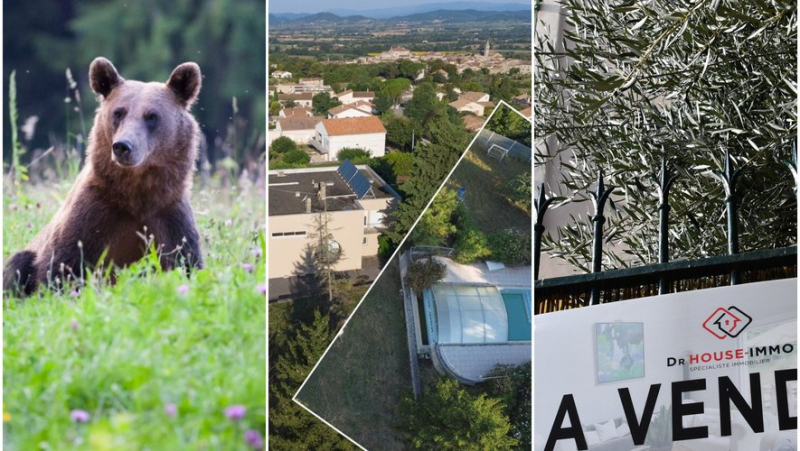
(343, 111)
(333, 135)
(300, 129)
(297, 111)
(359, 108)
(351, 96)
(473, 123)
(301, 99)
(281, 74)
(474, 96)
(311, 81)
(473, 102)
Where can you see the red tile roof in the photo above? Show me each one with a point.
(353, 126)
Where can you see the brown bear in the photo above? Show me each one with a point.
(134, 189)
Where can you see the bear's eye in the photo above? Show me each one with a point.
(151, 118)
(119, 114)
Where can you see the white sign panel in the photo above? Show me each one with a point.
(712, 369)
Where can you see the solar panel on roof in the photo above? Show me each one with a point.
(347, 170)
(354, 179)
(360, 185)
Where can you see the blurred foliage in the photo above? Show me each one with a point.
(632, 81)
(511, 124)
(145, 40)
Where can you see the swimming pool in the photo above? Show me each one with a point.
(462, 314)
(518, 308)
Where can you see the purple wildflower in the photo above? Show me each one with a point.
(183, 289)
(228, 222)
(254, 439)
(235, 412)
(170, 409)
(247, 267)
(74, 293)
(262, 288)
(257, 252)
(74, 324)
(79, 416)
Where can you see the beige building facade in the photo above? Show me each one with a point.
(297, 207)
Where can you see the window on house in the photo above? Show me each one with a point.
(283, 234)
(364, 240)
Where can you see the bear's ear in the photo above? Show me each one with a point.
(185, 83)
(103, 76)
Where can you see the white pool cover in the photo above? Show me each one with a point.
(470, 314)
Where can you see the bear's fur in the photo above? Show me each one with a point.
(134, 188)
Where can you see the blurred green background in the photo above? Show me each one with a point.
(145, 40)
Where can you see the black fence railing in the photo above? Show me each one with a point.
(561, 293)
(600, 287)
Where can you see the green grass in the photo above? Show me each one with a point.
(122, 352)
(359, 384)
(488, 196)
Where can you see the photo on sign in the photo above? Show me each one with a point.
(619, 351)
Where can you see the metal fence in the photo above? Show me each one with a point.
(487, 138)
(664, 277)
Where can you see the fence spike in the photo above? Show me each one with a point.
(541, 203)
(599, 198)
(664, 184)
(729, 177)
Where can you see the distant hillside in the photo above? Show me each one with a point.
(329, 17)
(441, 15)
(468, 15)
(399, 11)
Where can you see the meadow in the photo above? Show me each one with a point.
(158, 360)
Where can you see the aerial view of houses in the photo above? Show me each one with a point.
(451, 315)
(399, 98)
(346, 207)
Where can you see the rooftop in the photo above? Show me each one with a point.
(300, 96)
(473, 96)
(353, 126)
(297, 111)
(289, 189)
(299, 122)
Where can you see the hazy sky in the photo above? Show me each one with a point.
(314, 6)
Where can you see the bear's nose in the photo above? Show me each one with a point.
(121, 148)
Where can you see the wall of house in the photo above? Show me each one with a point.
(375, 143)
(289, 256)
(352, 112)
(346, 98)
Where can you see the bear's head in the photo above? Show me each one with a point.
(144, 125)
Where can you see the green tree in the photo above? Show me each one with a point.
(423, 103)
(512, 385)
(423, 274)
(394, 89)
(296, 157)
(511, 124)
(356, 156)
(449, 418)
(400, 131)
(432, 162)
(382, 103)
(283, 145)
(323, 102)
(401, 162)
(471, 244)
(436, 224)
(275, 108)
(689, 79)
(291, 427)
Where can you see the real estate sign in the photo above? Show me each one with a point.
(705, 369)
